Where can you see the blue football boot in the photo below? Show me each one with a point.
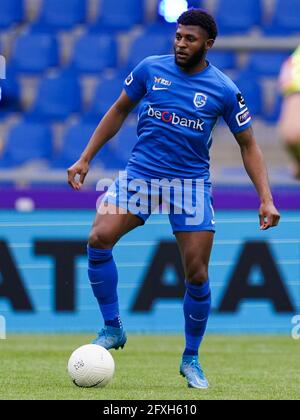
(192, 371)
(111, 338)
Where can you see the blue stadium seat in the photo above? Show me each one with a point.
(10, 96)
(61, 14)
(224, 60)
(251, 91)
(106, 93)
(115, 154)
(34, 53)
(195, 3)
(75, 138)
(58, 96)
(109, 158)
(286, 18)
(94, 52)
(120, 15)
(165, 29)
(27, 141)
(267, 63)
(146, 45)
(126, 140)
(272, 115)
(11, 11)
(238, 17)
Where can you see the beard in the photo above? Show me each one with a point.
(194, 60)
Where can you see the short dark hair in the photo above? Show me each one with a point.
(199, 17)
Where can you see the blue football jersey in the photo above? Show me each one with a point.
(177, 115)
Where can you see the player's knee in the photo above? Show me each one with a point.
(101, 239)
(197, 274)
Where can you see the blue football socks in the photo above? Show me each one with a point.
(196, 307)
(103, 277)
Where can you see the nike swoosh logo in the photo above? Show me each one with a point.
(158, 88)
(197, 320)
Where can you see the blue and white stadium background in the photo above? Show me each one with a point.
(44, 285)
(255, 276)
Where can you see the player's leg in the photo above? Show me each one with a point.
(106, 231)
(195, 248)
(290, 128)
(193, 225)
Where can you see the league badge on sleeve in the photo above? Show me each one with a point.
(243, 117)
(129, 80)
(200, 100)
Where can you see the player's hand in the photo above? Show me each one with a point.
(79, 170)
(268, 216)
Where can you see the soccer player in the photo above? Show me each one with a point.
(290, 121)
(182, 96)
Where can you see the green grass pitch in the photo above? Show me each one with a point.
(34, 367)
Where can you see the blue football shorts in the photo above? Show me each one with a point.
(188, 204)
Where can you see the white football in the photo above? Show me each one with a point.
(91, 366)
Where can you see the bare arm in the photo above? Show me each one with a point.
(107, 129)
(256, 168)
